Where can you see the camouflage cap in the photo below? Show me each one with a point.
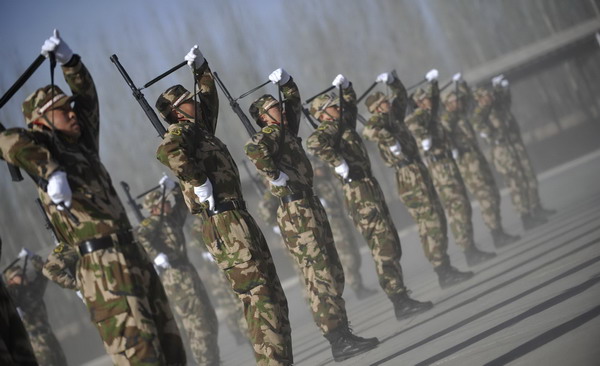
(261, 105)
(419, 94)
(170, 98)
(450, 97)
(152, 199)
(322, 102)
(43, 100)
(481, 92)
(13, 271)
(374, 100)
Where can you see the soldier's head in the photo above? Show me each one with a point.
(152, 203)
(325, 107)
(422, 99)
(266, 111)
(377, 103)
(177, 104)
(14, 275)
(483, 96)
(451, 102)
(51, 108)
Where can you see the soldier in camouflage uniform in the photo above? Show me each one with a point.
(61, 266)
(15, 348)
(504, 156)
(399, 151)
(212, 190)
(474, 168)
(435, 148)
(161, 235)
(26, 286)
(277, 153)
(337, 143)
(124, 295)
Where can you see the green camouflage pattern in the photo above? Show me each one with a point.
(32, 105)
(61, 266)
(184, 288)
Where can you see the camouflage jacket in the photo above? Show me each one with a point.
(164, 234)
(491, 123)
(194, 154)
(387, 129)
(28, 294)
(351, 149)
(265, 147)
(94, 202)
(61, 266)
(456, 124)
(501, 111)
(327, 192)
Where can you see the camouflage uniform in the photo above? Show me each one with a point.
(29, 299)
(231, 235)
(127, 303)
(61, 266)
(164, 234)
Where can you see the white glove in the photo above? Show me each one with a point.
(279, 76)
(167, 183)
(432, 75)
(24, 253)
(323, 202)
(162, 261)
(504, 83)
(20, 312)
(455, 154)
(426, 144)
(483, 135)
(194, 58)
(396, 149)
(340, 80)
(58, 189)
(385, 77)
(281, 180)
(60, 48)
(456, 77)
(205, 193)
(80, 295)
(496, 80)
(276, 230)
(208, 257)
(342, 170)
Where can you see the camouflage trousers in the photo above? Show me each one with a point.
(366, 206)
(45, 345)
(477, 176)
(129, 307)
(15, 348)
(418, 195)
(307, 235)
(191, 303)
(240, 250)
(506, 162)
(453, 195)
(346, 245)
(529, 174)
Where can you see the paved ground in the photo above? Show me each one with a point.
(537, 302)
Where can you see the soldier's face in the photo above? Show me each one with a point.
(15, 280)
(425, 103)
(383, 107)
(452, 105)
(272, 116)
(188, 107)
(156, 209)
(64, 120)
(331, 113)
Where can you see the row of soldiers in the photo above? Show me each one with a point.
(115, 273)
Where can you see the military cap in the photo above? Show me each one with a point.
(13, 271)
(322, 102)
(171, 98)
(260, 106)
(152, 199)
(374, 100)
(43, 100)
(481, 92)
(450, 97)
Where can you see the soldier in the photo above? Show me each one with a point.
(504, 157)
(26, 286)
(501, 110)
(399, 151)
(277, 153)
(124, 295)
(434, 147)
(474, 168)
(61, 265)
(161, 235)
(337, 143)
(211, 185)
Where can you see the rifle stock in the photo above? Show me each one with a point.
(134, 205)
(47, 222)
(235, 106)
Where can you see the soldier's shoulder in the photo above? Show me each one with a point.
(418, 114)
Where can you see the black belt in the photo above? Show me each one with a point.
(92, 245)
(297, 196)
(403, 163)
(433, 158)
(356, 175)
(227, 206)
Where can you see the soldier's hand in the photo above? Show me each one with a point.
(342, 170)
(162, 261)
(456, 77)
(455, 154)
(194, 58)
(504, 83)
(205, 193)
(59, 190)
(281, 180)
(426, 144)
(496, 80)
(396, 149)
(276, 230)
(385, 77)
(279, 77)
(24, 253)
(166, 183)
(61, 49)
(432, 75)
(340, 80)
(207, 257)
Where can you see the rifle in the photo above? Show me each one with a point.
(15, 173)
(363, 95)
(168, 72)
(235, 106)
(47, 222)
(139, 96)
(137, 210)
(316, 95)
(21, 80)
(309, 118)
(148, 191)
(416, 85)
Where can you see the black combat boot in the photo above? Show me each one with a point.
(344, 344)
(363, 292)
(405, 307)
(475, 256)
(501, 238)
(530, 221)
(450, 276)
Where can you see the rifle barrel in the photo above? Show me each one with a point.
(235, 106)
(146, 192)
(21, 80)
(366, 92)
(166, 73)
(316, 95)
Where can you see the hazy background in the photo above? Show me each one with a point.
(557, 106)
